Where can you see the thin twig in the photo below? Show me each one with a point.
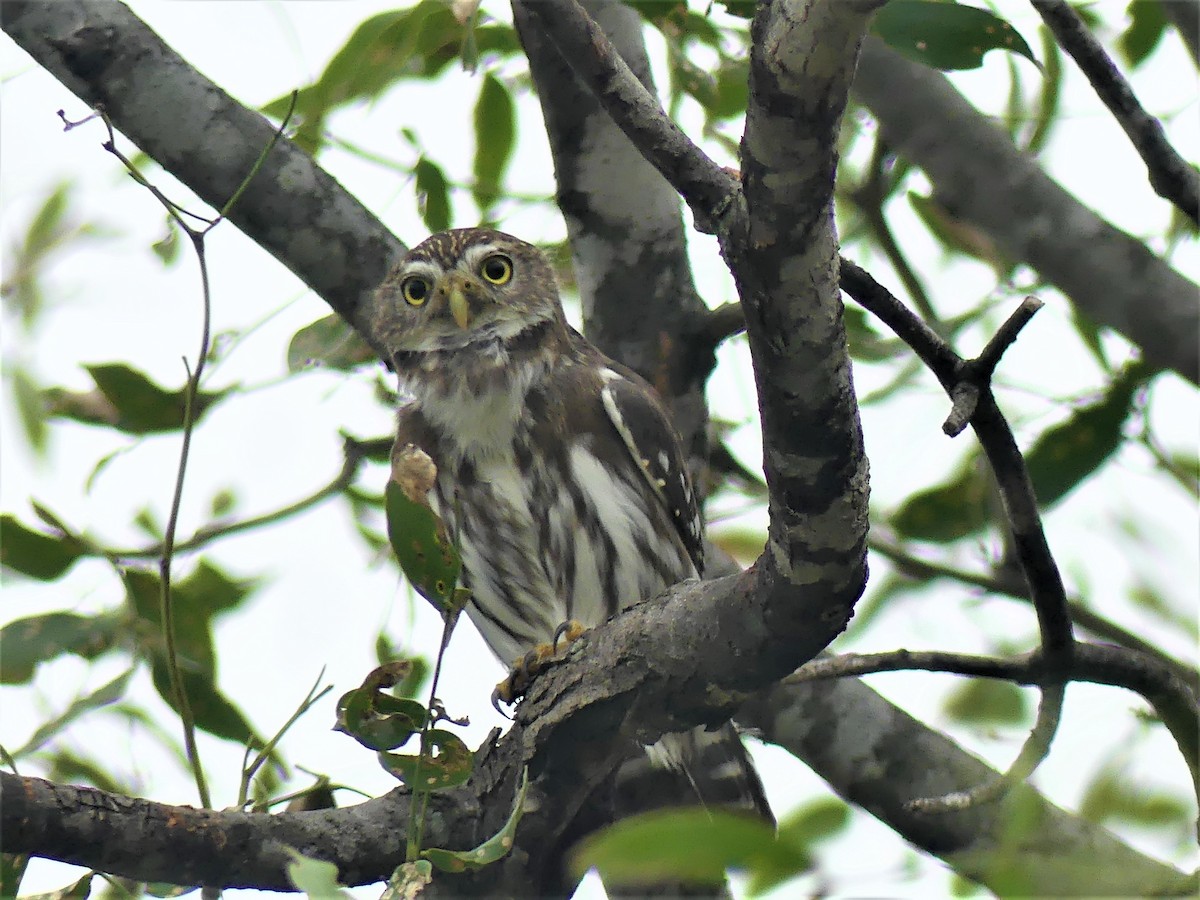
(1172, 698)
(1016, 491)
(1081, 615)
(355, 452)
(975, 375)
(1170, 175)
(870, 197)
(191, 391)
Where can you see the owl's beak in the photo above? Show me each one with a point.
(460, 309)
(454, 287)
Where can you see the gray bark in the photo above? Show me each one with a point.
(979, 176)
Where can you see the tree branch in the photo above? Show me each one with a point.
(1173, 700)
(623, 218)
(1170, 175)
(890, 759)
(968, 383)
(150, 841)
(1081, 615)
(293, 209)
(704, 185)
(981, 177)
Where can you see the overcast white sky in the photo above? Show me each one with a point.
(326, 599)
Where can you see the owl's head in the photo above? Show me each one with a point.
(469, 286)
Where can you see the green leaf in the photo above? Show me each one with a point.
(419, 42)
(65, 767)
(1115, 795)
(36, 639)
(211, 710)
(816, 821)
(693, 845)
(1050, 94)
(102, 696)
(946, 35)
(328, 342)
(433, 194)
(197, 599)
(447, 767)
(495, 133)
(12, 870)
(127, 400)
(408, 880)
(1066, 454)
(35, 553)
(167, 247)
(378, 720)
(984, 701)
(1147, 23)
(316, 877)
(426, 554)
(491, 850)
(953, 509)
(30, 407)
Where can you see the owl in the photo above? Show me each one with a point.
(558, 469)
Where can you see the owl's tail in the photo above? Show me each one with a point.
(714, 767)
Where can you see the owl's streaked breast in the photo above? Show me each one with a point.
(545, 539)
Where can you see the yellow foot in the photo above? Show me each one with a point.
(527, 667)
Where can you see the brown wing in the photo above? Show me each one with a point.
(652, 441)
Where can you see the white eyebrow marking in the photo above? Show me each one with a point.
(422, 267)
(476, 253)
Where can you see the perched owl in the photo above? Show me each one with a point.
(558, 468)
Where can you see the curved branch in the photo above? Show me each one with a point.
(969, 384)
(1170, 176)
(980, 176)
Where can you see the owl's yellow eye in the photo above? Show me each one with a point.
(415, 291)
(497, 269)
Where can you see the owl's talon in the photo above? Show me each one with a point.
(572, 630)
(527, 667)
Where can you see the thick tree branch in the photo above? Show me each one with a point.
(704, 185)
(661, 683)
(292, 208)
(889, 758)
(150, 841)
(1170, 175)
(785, 263)
(979, 176)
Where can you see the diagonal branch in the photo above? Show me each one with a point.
(706, 187)
(292, 208)
(1170, 175)
(982, 178)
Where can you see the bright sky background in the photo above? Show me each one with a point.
(326, 598)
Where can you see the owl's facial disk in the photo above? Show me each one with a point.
(478, 298)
